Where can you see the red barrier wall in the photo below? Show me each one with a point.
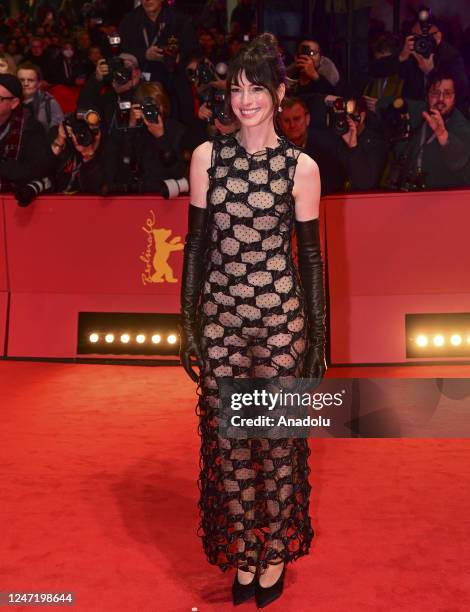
(72, 254)
(3, 280)
(388, 255)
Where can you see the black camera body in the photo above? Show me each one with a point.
(84, 125)
(118, 72)
(339, 111)
(306, 50)
(214, 99)
(424, 42)
(403, 177)
(203, 74)
(396, 121)
(150, 110)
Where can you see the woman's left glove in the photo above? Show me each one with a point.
(310, 267)
(193, 269)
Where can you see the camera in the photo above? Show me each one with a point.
(170, 53)
(397, 121)
(203, 74)
(118, 71)
(84, 124)
(403, 177)
(123, 114)
(150, 110)
(306, 50)
(172, 188)
(339, 111)
(214, 99)
(25, 194)
(424, 43)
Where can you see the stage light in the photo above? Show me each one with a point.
(456, 339)
(134, 334)
(421, 340)
(438, 340)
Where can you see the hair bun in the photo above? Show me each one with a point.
(266, 43)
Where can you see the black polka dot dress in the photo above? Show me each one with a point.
(254, 493)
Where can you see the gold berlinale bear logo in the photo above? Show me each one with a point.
(157, 252)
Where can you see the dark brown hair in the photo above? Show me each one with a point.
(262, 64)
(30, 66)
(290, 102)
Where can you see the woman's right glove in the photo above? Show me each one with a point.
(193, 268)
(310, 267)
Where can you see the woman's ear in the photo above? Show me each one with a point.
(281, 92)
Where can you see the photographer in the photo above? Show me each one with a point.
(77, 145)
(149, 151)
(43, 106)
(435, 153)
(146, 32)
(119, 85)
(423, 52)
(23, 143)
(312, 72)
(349, 151)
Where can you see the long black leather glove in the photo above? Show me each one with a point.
(193, 267)
(311, 276)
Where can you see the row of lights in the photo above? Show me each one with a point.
(126, 338)
(440, 340)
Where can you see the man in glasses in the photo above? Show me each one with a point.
(437, 153)
(23, 146)
(312, 72)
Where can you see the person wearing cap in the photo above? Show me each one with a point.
(416, 70)
(106, 95)
(24, 151)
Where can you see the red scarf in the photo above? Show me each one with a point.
(11, 143)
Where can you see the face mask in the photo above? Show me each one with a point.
(68, 53)
(383, 67)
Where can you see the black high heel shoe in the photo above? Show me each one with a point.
(266, 595)
(242, 592)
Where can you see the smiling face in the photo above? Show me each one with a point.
(252, 103)
(8, 103)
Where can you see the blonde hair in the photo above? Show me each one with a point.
(155, 91)
(11, 65)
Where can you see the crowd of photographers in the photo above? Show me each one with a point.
(152, 88)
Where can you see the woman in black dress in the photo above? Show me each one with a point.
(246, 312)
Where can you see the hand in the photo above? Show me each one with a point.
(156, 129)
(61, 135)
(408, 48)
(135, 115)
(189, 347)
(87, 152)
(204, 113)
(314, 363)
(436, 123)
(307, 67)
(371, 103)
(102, 70)
(425, 64)
(350, 138)
(154, 54)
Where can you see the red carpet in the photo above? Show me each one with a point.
(98, 497)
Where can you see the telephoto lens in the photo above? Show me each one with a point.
(172, 188)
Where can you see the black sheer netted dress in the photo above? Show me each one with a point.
(254, 493)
